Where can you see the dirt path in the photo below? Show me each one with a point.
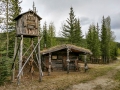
(104, 82)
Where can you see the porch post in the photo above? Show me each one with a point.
(85, 58)
(49, 68)
(85, 65)
(68, 60)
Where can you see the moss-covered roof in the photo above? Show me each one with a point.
(65, 46)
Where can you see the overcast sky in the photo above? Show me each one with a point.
(88, 11)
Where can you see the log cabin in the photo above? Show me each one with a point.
(62, 57)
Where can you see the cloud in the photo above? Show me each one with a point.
(117, 34)
(115, 21)
(85, 20)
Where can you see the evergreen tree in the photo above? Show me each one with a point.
(11, 8)
(77, 33)
(45, 35)
(15, 10)
(97, 42)
(4, 69)
(68, 29)
(113, 47)
(93, 42)
(89, 38)
(51, 35)
(104, 41)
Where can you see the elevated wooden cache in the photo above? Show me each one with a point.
(27, 24)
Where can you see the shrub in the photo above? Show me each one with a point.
(4, 69)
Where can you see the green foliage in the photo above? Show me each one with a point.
(68, 29)
(108, 45)
(72, 29)
(14, 11)
(61, 40)
(89, 38)
(3, 45)
(118, 51)
(93, 41)
(51, 35)
(4, 69)
(45, 36)
(113, 50)
(117, 76)
(11, 12)
(48, 34)
(77, 34)
(104, 40)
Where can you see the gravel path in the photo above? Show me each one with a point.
(104, 82)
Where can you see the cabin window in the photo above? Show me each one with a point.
(54, 57)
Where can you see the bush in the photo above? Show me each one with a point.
(4, 69)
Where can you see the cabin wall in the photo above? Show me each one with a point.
(58, 60)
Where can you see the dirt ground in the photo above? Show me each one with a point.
(98, 77)
(104, 82)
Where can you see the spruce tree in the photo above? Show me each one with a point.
(77, 33)
(51, 35)
(89, 38)
(93, 41)
(106, 36)
(45, 36)
(104, 41)
(97, 42)
(4, 69)
(69, 27)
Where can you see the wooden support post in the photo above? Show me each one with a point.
(85, 58)
(20, 57)
(86, 67)
(13, 68)
(39, 60)
(32, 47)
(49, 70)
(68, 60)
(27, 60)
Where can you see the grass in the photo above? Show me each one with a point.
(117, 79)
(61, 80)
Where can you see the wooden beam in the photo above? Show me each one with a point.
(39, 60)
(20, 58)
(27, 50)
(14, 57)
(31, 61)
(85, 61)
(85, 58)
